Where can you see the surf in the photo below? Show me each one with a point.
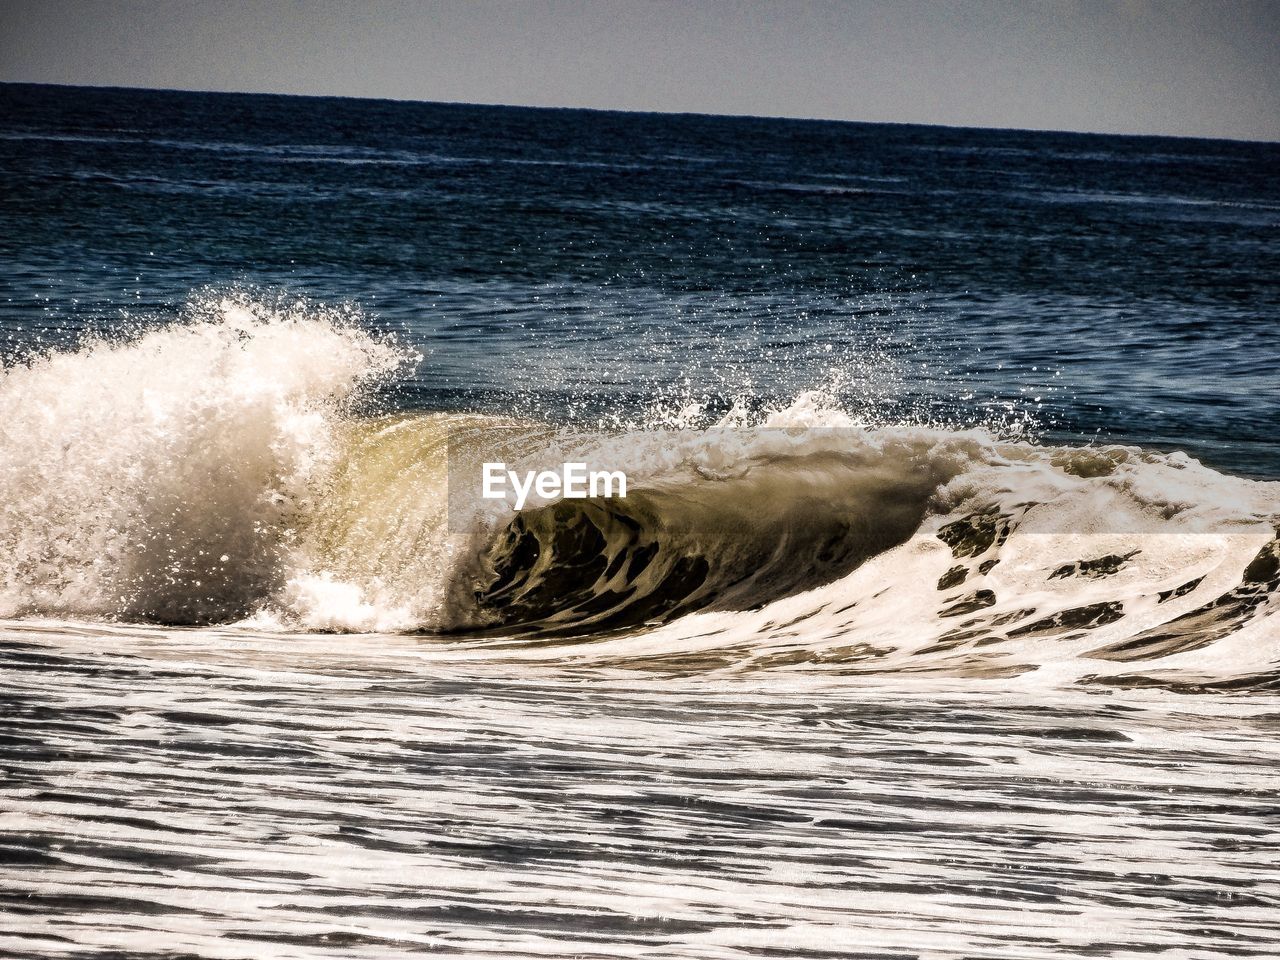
(230, 470)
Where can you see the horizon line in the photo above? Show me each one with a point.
(654, 112)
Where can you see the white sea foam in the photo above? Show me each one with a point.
(213, 471)
(162, 476)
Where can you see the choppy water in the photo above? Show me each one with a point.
(223, 796)
(940, 619)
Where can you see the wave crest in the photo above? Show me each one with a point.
(161, 477)
(213, 471)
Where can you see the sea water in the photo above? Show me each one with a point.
(940, 618)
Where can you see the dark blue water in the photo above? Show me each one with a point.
(1125, 288)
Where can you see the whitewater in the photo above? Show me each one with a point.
(816, 687)
(220, 471)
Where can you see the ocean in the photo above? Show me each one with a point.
(941, 617)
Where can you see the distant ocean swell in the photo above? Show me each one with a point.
(218, 471)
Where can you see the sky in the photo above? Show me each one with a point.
(1206, 68)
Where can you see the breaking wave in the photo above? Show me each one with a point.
(218, 471)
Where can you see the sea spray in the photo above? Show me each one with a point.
(216, 470)
(160, 477)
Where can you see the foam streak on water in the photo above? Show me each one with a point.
(184, 794)
(820, 686)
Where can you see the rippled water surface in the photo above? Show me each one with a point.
(1116, 287)
(171, 795)
(942, 618)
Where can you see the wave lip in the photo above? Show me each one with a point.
(904, 550)
(791, 510)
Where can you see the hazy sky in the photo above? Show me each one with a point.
(1191, 67)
